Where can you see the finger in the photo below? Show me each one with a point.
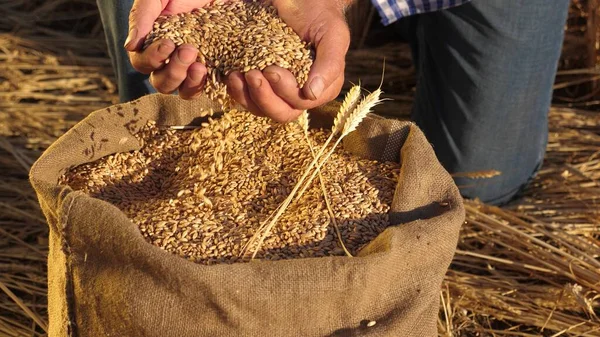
(266, 100)
(171, 76)
(285, 86)
(193, 84)
(141, 19)
(238, 90)
(331, 42)
(153, 57)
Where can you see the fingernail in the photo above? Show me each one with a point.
(165, 49)
(132, 35)
(186, 55)
(272, 76)
(254, 82)
(316, 87)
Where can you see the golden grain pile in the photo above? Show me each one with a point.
(236, 36)
(202, 194)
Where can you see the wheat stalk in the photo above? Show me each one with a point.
(349, 104)
(303, 121)
(477, 174)
(355, 110)
(350, 100)
(352, 111)
(349, 124)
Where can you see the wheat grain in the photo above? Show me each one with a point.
(203, 193)
(236, 36)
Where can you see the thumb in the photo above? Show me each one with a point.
(331, 40)
(141, 20)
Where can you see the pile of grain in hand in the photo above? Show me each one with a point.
(236, 36)
(202, 194)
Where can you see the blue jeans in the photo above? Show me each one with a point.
(115, 21)
(485, 73)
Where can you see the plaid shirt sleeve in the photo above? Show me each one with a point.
(392, 10)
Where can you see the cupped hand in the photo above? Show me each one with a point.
(274, 92)
(182, 72)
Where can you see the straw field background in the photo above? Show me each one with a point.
(528, 269)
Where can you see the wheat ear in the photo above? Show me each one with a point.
(350, 101)
(359, 113)
(343, 125)
(303, 121)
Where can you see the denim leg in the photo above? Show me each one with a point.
(484, 84)
(115, 20)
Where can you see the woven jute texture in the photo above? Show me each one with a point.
(104, 279)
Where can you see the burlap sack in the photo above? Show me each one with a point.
(104, 279)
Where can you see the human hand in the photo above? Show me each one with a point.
(182, 72)
(274, 92)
